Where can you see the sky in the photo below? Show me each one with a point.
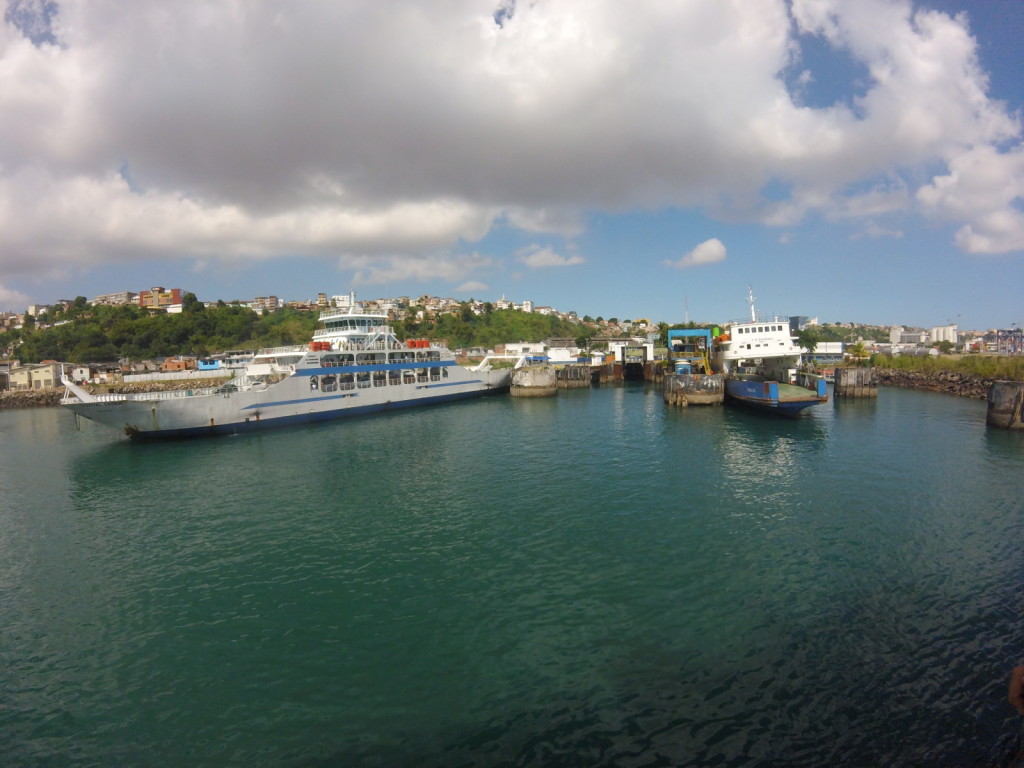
(851, 160)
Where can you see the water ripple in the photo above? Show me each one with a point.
(593, 579)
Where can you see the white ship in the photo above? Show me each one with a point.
(761, 362)
(354, 365)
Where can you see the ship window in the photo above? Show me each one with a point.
(409, 377)
(394, 378)
(328, 384)
(362, 380)
(345, 380)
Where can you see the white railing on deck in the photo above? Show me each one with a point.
(327, 314)
(149, 396)
(295, 348)
(219, 373)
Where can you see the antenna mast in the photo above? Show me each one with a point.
(750, 298)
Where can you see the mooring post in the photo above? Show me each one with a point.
(1005, 399)
(856, 382)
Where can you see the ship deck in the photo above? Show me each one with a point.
(792, 392)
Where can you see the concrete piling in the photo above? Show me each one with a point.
(686, 389)
(1005, 401)
(534, 381)
(856, 382)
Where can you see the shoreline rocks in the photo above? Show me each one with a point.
(30, 398)
(947, 382)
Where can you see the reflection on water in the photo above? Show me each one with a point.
(590, 579)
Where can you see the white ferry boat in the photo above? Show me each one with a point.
(354, 365)
(761, 366)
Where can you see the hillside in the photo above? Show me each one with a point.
(95, 334)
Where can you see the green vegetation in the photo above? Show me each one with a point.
(500, 326)
(808, 339)
(104, 334)
(858, 353)
(86, 334)
(986, 366)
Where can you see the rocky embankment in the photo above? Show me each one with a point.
(949, 382)
(30, 398)
(51, 397)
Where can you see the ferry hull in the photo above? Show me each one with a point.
(771, 396)
(287, 403)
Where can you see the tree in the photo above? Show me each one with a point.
(858, 352)
(808, 339)
(191, 304)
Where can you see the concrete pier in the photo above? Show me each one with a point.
(572, 376)
(534, 381)
(1005, 400)
(686, 389)
(856, 382)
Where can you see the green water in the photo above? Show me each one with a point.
(593, 579)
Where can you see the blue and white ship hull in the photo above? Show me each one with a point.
(783, 399)
(761, 365)
(353, 367)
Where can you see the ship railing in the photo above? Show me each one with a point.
(354, 310)
(107, 398)
(485, 364)
(176, 394)
(147, 396)
(760, 319)
(282, 350)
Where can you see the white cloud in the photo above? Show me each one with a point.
(985, 187)
(473, 286)
(709, 252)
(382, 269)
(538, 257)
(401, 129)
(10, 298)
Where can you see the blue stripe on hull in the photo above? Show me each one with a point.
(256, 425)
